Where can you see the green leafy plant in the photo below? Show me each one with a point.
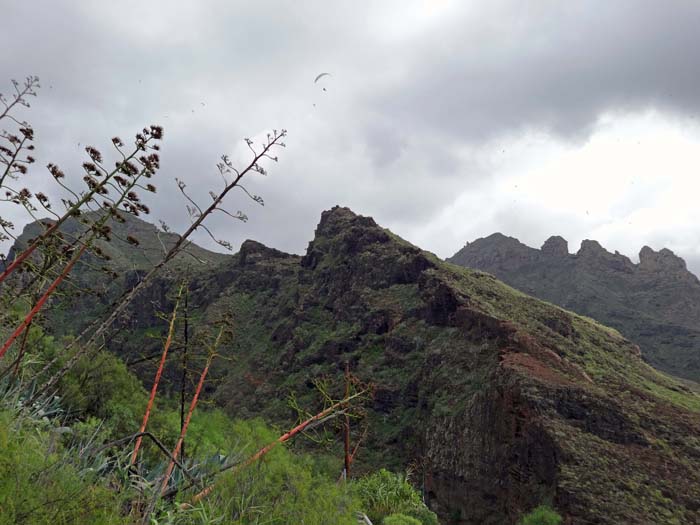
(384, 493)
(424, 515)
(542, 515)
(400, 519)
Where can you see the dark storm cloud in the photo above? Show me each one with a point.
(418, 92)
(550, 65)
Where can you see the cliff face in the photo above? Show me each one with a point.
(499, 401)
(655, 303)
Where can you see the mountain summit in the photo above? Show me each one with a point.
(655, 303)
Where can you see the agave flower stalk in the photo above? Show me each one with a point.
(13, 164)
(156, 380)
(183, 431)
(346, 428)
(99, 188)
(99, 228)
(28, 318)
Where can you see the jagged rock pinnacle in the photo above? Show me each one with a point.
(591, 248)
(556, 246)
(664, 259)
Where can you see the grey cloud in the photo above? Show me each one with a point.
(556, 68)
(398, 132)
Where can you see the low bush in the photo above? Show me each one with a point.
(542, 515)
(400, 519)
(384, 493)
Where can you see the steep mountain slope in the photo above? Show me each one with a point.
(498, 400)
(123, 255)
(101, 280)
(655, 303)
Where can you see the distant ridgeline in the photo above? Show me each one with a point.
(498, 401)
(655, 303)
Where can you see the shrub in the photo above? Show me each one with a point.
(400, 519)
(42, 483)
(102, 387)
(424, 515)
(282, 487)
(542, 515)
(385, 493)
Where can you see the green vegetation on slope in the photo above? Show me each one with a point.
(56, 465)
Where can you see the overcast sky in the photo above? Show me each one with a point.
(444, 120)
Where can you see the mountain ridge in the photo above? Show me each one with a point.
(655, 302)
(558, 246)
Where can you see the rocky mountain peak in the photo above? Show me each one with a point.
(496, 249)
(503, 240)
(591, 248)
(656, 302)
(252, 251)
(341, 232)
(556, 246)
(663, 260)
(339, 219)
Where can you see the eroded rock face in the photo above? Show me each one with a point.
(253, 251)
(491, 461)
(655, 303)
(594, 256)
(662, 261)
(504, 250)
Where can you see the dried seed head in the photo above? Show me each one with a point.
(55, 171)
(94, 154)
(157, 132)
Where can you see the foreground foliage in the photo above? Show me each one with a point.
(48, 474)
(388, 496)
(57, 465)
(542, 515)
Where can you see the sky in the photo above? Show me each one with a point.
(444, 120)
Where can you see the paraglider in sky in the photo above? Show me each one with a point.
(320, 76)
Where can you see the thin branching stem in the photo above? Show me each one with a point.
(72, 211)
(284, 437)
(159, 372)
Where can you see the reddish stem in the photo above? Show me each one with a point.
(193, 404)
(346, 426)
(284, 437)
(22, 348)
(156, 381)
(27, 252)
(41, 301)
